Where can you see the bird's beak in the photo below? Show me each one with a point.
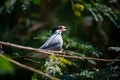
(63, 28)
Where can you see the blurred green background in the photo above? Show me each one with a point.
(93, 26)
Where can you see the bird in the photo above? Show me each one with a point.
(54, 42)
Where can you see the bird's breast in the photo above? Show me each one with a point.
(59, 40)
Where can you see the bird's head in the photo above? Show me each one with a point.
(60, 28)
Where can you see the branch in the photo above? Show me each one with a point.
(89, 58)
(57, 53)
(29, 68)
(48, 52)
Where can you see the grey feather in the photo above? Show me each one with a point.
(55, 42)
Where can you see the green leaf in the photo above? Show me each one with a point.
(5, 66)
(37, 2)
(34, 77)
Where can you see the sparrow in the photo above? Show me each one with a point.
(55, 41)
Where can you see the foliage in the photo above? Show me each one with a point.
(112, 71)
(58, 67)
(37, 2)
(53, 66)
(98, 10)
(114, 48)
(92, 26)
(8, 7)
(5, 66)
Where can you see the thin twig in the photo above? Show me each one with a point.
(29, 68)
(32, 60)
(57, 53)
(89, 58)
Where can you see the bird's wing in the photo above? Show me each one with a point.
(50, 42)
(49, 45)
